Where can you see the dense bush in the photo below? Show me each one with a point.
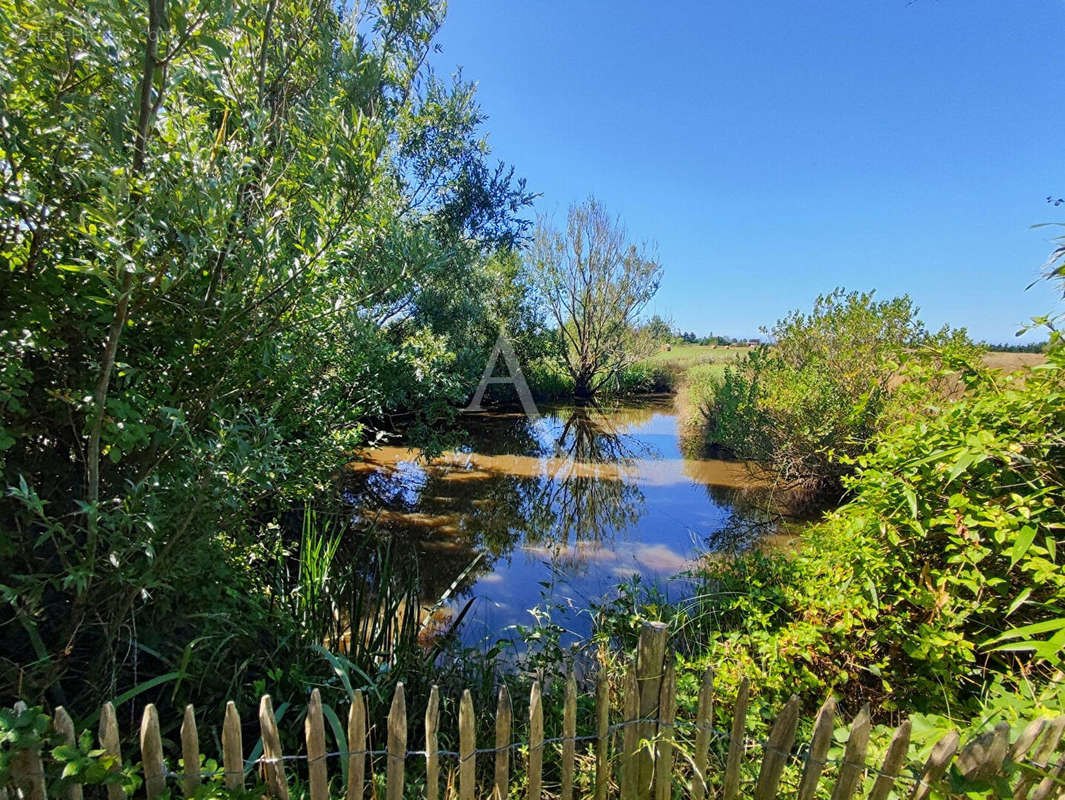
(233, 235)
(548, 381)
(938, 588)
(822, 390)
(643, 378)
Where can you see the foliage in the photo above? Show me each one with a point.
(548, 381)
(30, 730)
(1055, 264)
(659, 330)
(594, 284)
(939, 588)
(644, 378)
(235, 236)
(824, 389)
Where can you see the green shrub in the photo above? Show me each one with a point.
(823, 390)
(644, 378)
(938, 588)
(548, 381)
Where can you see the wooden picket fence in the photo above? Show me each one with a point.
(643, 772)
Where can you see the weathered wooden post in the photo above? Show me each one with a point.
(397, 745)
(314, 730)
(190, 751)
(504, 715)
(730, 786)
(232, 750)
(467, 748)
(272, 761)
(27, 769)
(704, 720)
(65, 726)
(569, 733)
(667, 712)
(109, 741)
(152, 753)
(602, 734)
(536, 742)
(432, 759)
(650, 662)
(631, 713)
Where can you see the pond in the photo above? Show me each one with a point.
(563, 511)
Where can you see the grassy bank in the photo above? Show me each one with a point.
(697, 384)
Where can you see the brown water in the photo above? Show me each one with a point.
(563, 510)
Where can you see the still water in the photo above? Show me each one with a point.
(561, 511)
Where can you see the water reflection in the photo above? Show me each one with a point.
(569, 506)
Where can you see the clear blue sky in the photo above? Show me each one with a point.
(775, 150)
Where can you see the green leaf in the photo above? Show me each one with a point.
(1029, 630)
(911, 500)
(136, 690)
(966, 460)
(1025, 537)
(219, 49)
(338, 668)
(339, 735)
(1019, 601)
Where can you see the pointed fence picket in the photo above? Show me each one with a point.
(639, 757)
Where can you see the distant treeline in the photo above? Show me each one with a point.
(1032, 347)
(663, 331)
(689, 337)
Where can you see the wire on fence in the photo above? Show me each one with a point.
(801, 754)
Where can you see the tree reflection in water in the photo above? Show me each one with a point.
(570, 493)
(590, 493)
(556, 489)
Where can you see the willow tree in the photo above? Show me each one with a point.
(218, 225)
(594, 283)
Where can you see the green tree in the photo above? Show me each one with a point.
(659, 330)
(594, 283)
(222, 229)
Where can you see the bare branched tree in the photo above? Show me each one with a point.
(594, 282)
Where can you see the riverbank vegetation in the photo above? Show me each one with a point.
(240, 240)
(212, 289)
(812, 402)
(937, 587)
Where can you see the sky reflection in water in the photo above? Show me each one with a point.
(564, 510)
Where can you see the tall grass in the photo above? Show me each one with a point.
(356, 596)
(319, 541)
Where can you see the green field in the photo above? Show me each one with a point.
(688, 355)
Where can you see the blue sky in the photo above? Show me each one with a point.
(775, 150)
